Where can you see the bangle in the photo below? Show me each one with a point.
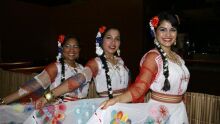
(2, 102)
(49, 96)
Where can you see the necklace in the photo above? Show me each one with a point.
(111, 59)
(116, 68)
(74, 69)
(171, 56)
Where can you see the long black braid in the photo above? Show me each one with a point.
(108, 79)
(62, 69)
(166, 85)
(62, 73)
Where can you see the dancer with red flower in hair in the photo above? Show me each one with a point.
(162, 71)
(56, 73)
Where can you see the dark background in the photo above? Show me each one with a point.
(29, 30)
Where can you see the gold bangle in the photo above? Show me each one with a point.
(49, 96)
(2, 102)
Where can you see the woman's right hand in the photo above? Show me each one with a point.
(109, 102)
(40, 103)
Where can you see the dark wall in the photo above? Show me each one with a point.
(24, 30)
(29, 31)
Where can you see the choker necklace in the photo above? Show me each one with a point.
(111, 59)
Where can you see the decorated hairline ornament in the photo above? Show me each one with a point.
(154, 24)
(99, 50)
(102, 29)
(60, 41)
(61, 38)
(154, 21)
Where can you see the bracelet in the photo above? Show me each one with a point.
(2, 102)
(49, 96)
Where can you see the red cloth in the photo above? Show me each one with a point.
(139, 88)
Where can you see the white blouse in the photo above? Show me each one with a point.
(178, 76)
(119, 75)
(70, 71)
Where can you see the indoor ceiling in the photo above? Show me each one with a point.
(181, 4)
(51, 2)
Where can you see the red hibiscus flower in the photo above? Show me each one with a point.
(102, 29)
(155, 21)
(61, 38)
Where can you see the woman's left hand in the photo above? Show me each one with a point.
(109, 102)
(40, 103)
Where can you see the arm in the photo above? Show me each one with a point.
(141, 85)
(70, 84)
(23, 91)
(75, 81)
(41, 80)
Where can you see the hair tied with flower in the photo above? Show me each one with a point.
(60, 41)
(99, 50)
(153, 24)
(61, 38)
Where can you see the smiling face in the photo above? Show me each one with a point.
(71, 50)
(111, 41)
(166, 34)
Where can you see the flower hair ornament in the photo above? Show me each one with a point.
(99, 50)
(153, 24)
(61, 39)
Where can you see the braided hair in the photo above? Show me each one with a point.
(154, 23)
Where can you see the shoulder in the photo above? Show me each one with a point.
(52, 67)
(120, 60)
(92, 63)
(179, 57)
(79, 65)
(150, 56)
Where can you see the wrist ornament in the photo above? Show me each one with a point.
(49, 96)
(2, 102)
